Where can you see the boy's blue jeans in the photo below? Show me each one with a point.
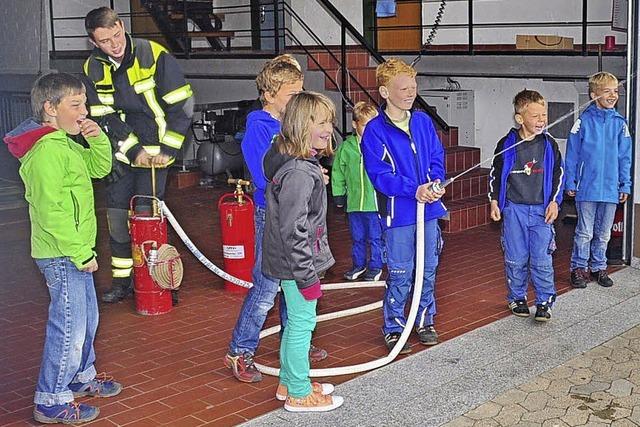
(593, 231)
(528, 243)
(401, 253)
(259, 300)
(365, 228)
(68, 354)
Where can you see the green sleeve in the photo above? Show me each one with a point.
(98, 156)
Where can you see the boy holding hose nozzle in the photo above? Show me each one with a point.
(525, 189)
(404, 159)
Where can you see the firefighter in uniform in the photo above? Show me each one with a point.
(136, 91)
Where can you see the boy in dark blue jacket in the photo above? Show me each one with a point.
(525, 188)
(599, 176)
(403, 158)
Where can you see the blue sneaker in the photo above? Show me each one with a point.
(100, 386)
(354, 273)
(372, 275)
(67, 413)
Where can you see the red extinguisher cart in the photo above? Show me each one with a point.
(238, 234)
(157, 268)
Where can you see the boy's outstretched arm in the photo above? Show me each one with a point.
(495, 183)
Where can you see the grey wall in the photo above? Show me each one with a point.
(23, 25)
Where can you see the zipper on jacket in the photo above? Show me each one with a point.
(580, 176)
(76, 211)
(361, 181)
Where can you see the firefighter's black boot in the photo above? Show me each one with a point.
(119, 290)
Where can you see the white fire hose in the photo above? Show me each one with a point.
(343, 370)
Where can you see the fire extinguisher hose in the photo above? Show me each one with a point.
(168, 270)
(343, 370)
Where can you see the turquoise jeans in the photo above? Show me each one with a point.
(295, 342)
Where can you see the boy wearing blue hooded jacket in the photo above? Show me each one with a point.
(403, 158)
(525, 189)
(599, 176)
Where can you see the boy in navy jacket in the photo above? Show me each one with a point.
(599, 176)
(525, 187)
(403, 158)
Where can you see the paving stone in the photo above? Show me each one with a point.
(627, 401)
(460, 422)
(581, 376)
(596, 352)
(635, 414)
(591, 387)
(488, 422)
(510, 397)
(554, 422)
(543, 415)
(486, 410)
(602, 365)
(623, 423)
(620, 355)
(510, 415)
(621, 388)
(557, 373)
(563, 401)
(537, 384)
(580, 362)
(576, 415)
(535, 401)
(617, 342)
(558, 388)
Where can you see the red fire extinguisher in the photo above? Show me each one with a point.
(148, 233)
(237, 231)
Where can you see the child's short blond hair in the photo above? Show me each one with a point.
(363, 112)
(601, 79)
(390, 69)
(275, 74)
(525, 97)
(287, 57)
(303, 110)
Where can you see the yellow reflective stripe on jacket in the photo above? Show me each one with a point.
(144, 85)
(178, 95)
(172, 139)
(124, 146)
(121, 272)
(100, 110)
(121, 157)
(152, 150)
(117, 262)
(106, 98)
(158, 112)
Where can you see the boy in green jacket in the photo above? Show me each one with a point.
(350, 184)
(57, 173)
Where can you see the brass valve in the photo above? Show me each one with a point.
(238, 193)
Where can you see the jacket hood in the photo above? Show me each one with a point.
(20, 140)
(273, 161)
(593, 109)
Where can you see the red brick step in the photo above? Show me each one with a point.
(472, 184)
(466, 213)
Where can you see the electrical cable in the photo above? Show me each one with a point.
(433, 32)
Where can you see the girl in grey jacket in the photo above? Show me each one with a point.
(295, 244)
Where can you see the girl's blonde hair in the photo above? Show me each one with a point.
(303, 110)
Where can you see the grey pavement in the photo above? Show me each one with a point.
(581, 368)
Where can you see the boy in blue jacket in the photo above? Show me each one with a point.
(278, 81)
(403, 158)
(525, 188)
(599, 176)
